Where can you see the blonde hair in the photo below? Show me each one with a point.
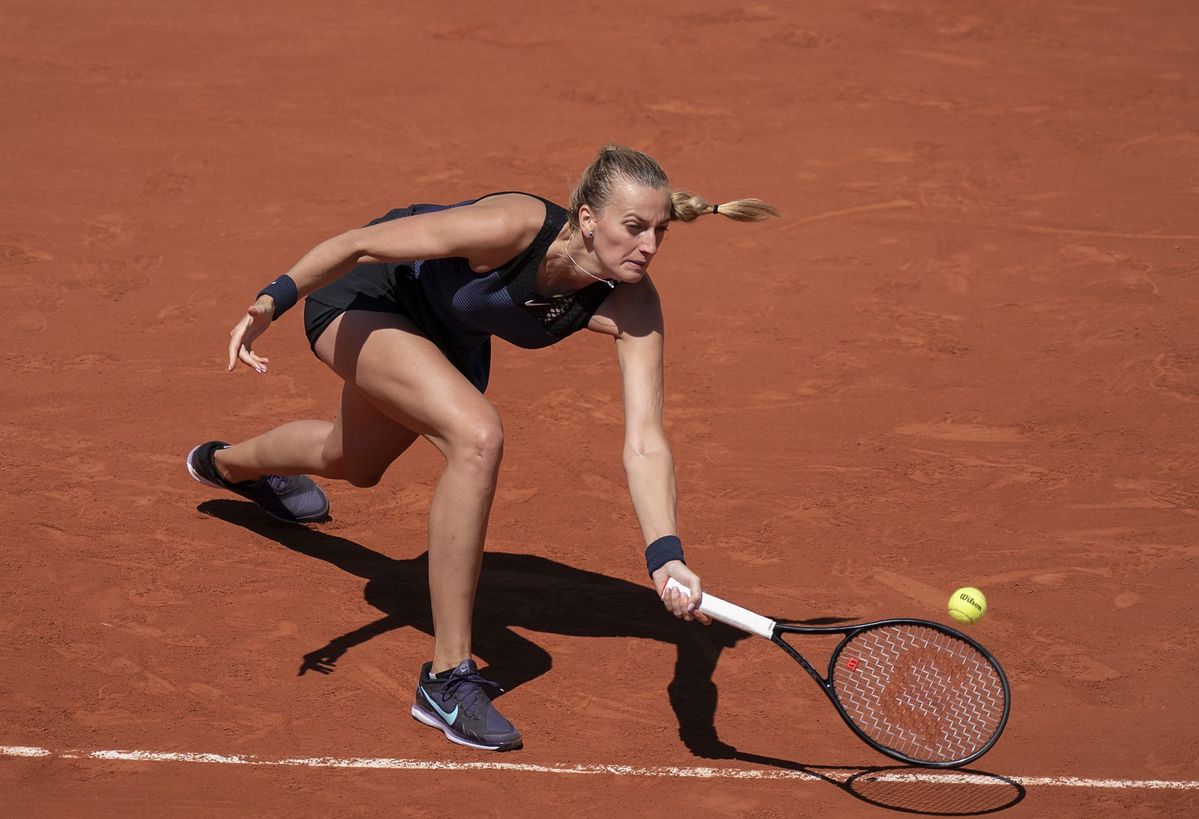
(616, 162)
(687, 207)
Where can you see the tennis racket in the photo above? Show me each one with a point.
(916, 691)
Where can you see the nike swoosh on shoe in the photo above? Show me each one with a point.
(450, 717)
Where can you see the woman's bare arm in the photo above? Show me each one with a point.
(487, 234)
(633, 315)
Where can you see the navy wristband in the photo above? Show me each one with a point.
(285, 293)
(662, 551)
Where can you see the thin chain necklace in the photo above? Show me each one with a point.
(580, 267)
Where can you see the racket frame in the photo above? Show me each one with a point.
(753, 623)
(849, 632)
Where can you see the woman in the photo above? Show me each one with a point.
(403, 311)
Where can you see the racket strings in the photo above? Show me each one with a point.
(920, 692)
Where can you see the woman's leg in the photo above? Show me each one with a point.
(294, 448)
(323, 448)
(399, 385)
(408, 381)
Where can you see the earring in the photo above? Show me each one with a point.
(591, 235)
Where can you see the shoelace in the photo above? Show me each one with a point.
(279, 483)
(470, 696)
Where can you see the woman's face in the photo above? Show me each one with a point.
(628, 230)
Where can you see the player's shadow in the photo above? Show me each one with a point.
(517, 591)
(536, 594)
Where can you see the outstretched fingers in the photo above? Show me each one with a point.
(253, 324)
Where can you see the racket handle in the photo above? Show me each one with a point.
(728, 613)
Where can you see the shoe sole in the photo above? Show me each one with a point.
(434, 722)
(197, 476)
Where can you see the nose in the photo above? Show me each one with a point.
(650, 242)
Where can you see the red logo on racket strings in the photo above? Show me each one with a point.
(852, 663)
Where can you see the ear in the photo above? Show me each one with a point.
(587, 219)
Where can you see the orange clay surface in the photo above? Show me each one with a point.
(966, 355)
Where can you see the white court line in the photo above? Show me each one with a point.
(610, 770)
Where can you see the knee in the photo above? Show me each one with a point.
(487, 444)
(480, 445)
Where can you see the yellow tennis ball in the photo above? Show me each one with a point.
(967, 605)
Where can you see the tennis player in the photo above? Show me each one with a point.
(403, 311)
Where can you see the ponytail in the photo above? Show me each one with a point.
(687, 207)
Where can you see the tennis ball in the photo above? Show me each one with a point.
(967, 605)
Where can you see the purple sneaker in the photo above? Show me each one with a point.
(458, 707)
(292, 498)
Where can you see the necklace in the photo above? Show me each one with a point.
(580, 267)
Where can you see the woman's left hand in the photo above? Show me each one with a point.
(681, 605)
(254, 323)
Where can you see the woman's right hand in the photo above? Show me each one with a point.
(684, 606)
(253, 324)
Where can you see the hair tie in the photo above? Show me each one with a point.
(716, 208)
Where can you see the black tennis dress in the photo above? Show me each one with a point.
(458, 309)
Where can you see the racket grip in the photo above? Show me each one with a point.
(729, 613)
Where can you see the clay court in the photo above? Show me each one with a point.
(967, 354)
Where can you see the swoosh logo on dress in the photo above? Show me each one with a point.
(539, 303)
(450, 717)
